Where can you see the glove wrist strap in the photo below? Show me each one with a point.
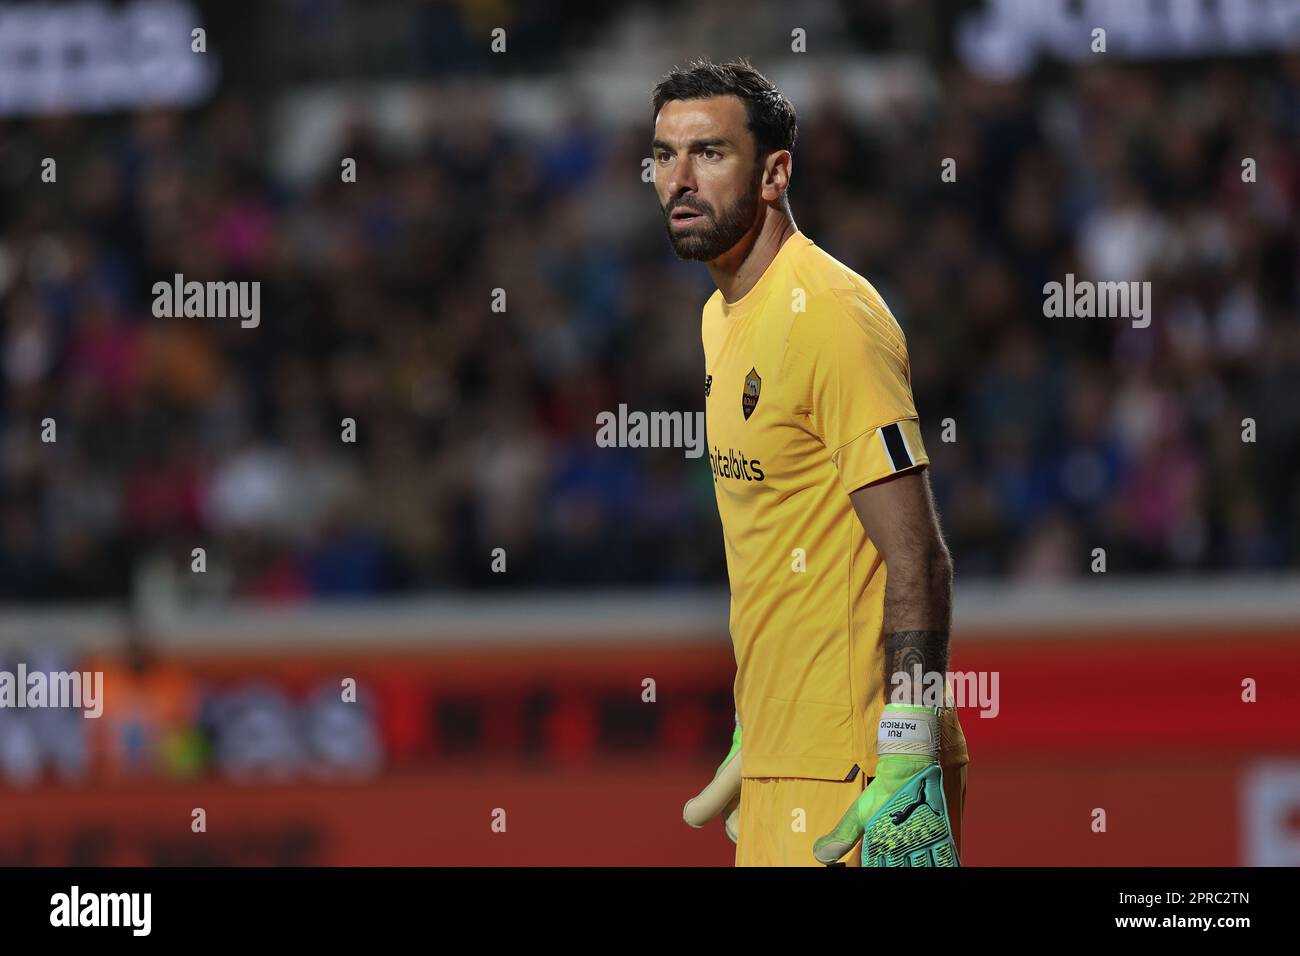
(913, 731)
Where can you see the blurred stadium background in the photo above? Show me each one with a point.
(521, 170)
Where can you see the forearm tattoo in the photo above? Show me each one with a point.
(916, 662)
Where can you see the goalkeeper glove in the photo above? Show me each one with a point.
(902, 816)
(722, 796)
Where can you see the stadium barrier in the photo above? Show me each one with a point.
(1111, 723)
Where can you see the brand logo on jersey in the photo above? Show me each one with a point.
(734, 464)
(749, 397)
(708, 385)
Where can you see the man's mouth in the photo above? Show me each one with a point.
(684, 217)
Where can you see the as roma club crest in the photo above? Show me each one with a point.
(749, 398)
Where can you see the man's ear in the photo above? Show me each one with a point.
(776, 165)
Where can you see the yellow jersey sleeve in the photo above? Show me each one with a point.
(860, 394)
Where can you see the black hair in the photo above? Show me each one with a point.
(769, 114)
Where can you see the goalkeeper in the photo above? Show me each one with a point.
(840, 579)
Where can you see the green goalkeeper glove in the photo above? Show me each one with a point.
(902, 816)
(722, 796)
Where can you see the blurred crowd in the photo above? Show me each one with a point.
(474, 426)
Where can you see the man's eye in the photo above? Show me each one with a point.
(714, 154)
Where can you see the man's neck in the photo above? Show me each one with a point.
(739, 269)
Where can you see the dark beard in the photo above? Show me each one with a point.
(718, 235)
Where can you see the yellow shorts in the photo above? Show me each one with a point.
(773, 831)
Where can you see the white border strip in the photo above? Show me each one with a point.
(1204, 607)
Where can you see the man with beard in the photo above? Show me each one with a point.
(839, 623)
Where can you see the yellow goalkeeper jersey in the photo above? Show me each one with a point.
(808, 397)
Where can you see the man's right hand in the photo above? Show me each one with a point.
(722, 796)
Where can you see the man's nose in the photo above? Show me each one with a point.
(682, 179)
